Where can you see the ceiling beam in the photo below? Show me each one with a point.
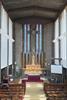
(11, 2)
(34, 8)
(33, 13)
(33, 17)
(15, 8)
(33, 21)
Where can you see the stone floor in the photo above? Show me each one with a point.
(34, 91)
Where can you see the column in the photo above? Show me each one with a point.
(43, 40)
(30, 58)
(22, 54)
(30, 40)
(38, 38)
(39, 43)
(26, 38)
(23, 60)
(43, 59)
(26, 58)
(0, 57)
(7, 46)
(14, 54)
(22, 38)
(39, 58)
(0, 14)
(44, 34)
(7, 57)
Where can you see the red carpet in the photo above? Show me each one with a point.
(33, 78)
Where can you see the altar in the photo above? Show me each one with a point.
(33, 73)
(33, 69)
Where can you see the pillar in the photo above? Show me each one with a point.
(43, 39)
(0, 57)
(14, 59)
(7, 57)
(39, 39)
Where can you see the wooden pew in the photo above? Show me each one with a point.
(56, 91)
(5, 94)
(17, 90)
(14, 92)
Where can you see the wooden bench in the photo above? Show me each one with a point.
(17, 90)
(56, 91)
(5, 94)
(14, 92)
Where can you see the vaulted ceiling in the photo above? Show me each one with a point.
(47, 10)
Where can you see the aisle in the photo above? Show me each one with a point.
(34, 91)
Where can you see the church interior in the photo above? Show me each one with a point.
(33, 49)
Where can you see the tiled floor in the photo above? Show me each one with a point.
(34, 91)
